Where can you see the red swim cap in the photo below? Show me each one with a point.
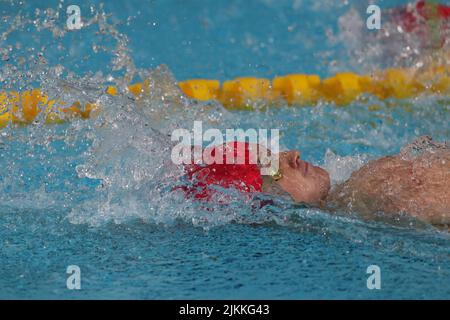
(443, 12)
(244, 177)
(409, 19)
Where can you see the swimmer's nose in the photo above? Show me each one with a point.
(294, 159)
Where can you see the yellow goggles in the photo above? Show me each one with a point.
(277, 175)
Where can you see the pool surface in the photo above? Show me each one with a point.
(99, 194)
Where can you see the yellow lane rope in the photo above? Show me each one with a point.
(242, 93)
(301, 89)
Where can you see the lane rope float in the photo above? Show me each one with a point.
(242, 93)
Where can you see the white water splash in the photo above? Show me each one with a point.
(341, 168)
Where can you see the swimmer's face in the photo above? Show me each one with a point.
(303, 181)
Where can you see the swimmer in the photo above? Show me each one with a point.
(416, 182)
(419, 16)
(417, 34)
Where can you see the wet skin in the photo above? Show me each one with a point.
(418, 186)
(303, 181)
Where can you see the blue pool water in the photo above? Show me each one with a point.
(98, 193)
